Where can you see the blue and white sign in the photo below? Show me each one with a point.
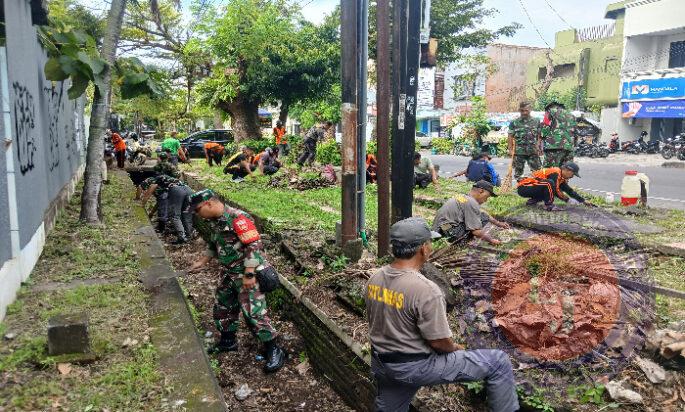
(665, 109)
(654, 89)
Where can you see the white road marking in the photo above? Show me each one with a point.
(665, 199)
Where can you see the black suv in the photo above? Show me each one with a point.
(194, 144)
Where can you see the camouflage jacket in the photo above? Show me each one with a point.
(224, 244)
(166, 168)
(163, 182)
(526, 133)
(557, 130)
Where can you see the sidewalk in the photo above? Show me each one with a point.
(97, 271)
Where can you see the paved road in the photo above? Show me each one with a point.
(667, 186)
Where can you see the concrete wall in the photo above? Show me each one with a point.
(506, 87)
(44, 157)
(649, 16)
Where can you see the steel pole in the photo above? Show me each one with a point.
(362, 75)
(383, 123)
(349, 56)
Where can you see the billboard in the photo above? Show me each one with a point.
(665, 109)
(653, 89)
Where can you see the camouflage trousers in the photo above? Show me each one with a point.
(232, 299)
(557, 157)
(520, 161)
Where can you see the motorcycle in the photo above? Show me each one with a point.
(673, 146)
(614, 143)
(592, 150)
(137, 152)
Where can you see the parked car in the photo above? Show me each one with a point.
(194, 143)
(424, 139)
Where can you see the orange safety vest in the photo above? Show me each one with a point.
(279, 133)
(118, 142)
(216, 147)
(544, 174)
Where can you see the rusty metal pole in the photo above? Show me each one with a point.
(349, 58)
(383, 124)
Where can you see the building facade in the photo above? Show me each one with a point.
(43, 146)
(589, 58)
(652, 91)
(505, 85)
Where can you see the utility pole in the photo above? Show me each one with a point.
(349, 57)
(406, 54)
(383, 123)
(362, 79)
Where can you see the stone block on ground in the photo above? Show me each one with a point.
(68, 334)
(353, 250)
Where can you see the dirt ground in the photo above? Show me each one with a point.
(293, 388)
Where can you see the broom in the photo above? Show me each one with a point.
(506, 183)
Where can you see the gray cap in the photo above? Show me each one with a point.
(572, 167)
(412, 231)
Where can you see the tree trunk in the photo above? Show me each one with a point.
(218, 123)
(283, 114)
(245, 117)
(91, 211)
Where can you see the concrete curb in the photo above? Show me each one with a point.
(674, 165)
(181, 350)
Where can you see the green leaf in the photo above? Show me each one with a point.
(95, 63)
(53, 70)
(79, 83)
(67, 64)
(99, 83)
(135, 78)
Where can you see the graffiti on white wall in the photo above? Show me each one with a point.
(24, 127)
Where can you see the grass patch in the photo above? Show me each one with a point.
(121, 379)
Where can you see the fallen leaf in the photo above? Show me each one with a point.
(64, 368)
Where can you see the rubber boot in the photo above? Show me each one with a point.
(275, 357)
(227, 343)
(179, 241)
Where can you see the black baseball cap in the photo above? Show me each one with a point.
(572, 167)
(487, 186)
(413, 231)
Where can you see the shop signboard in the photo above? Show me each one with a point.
(654, 89)
(664, 109)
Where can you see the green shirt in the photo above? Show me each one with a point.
(525, 132)
(171, 145)
(424, 166)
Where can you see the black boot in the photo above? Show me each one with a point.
(275, 357)
(179, 241)
(160, 226)
(227, 343)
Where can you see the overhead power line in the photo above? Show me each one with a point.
(559, 15)
(530, 18)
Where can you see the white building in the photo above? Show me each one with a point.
(652, 95)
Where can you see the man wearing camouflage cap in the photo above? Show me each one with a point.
(411, 340)
(234, 241)
(557, 134)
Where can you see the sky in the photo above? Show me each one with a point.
(577, 13)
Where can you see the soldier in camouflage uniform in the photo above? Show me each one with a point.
(164, 167)
(557, 133)
(235, 243)
(524, 141)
